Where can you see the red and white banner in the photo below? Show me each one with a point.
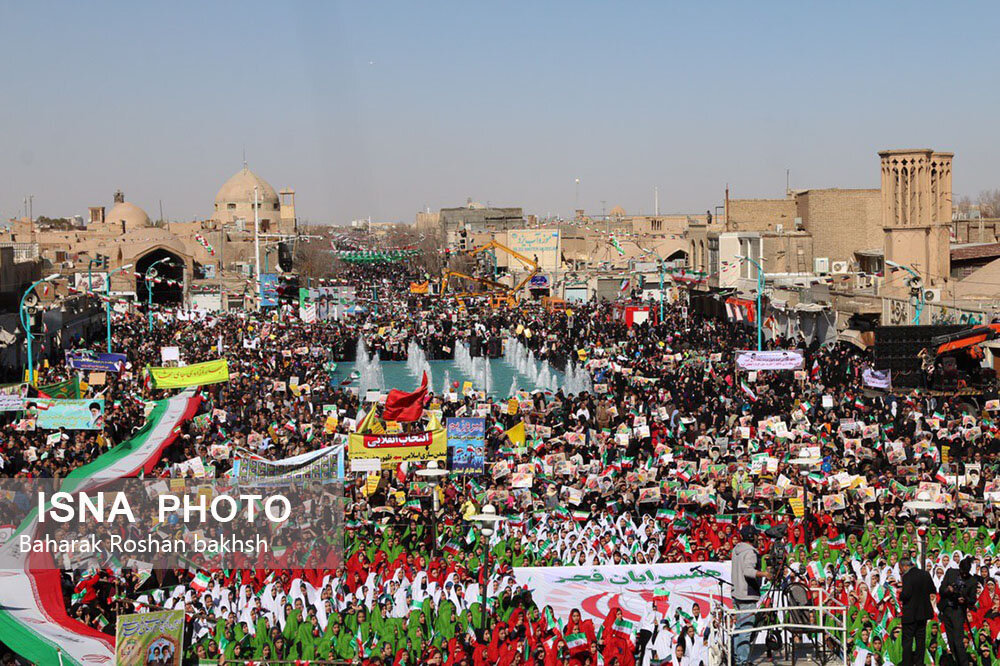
(596, 590)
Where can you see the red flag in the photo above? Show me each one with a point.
(401, 406)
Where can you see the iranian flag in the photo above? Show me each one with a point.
(580, 516)
(749, 391)
(837, 543)
(940, 476)
(815, 569)
(666, 514)
(623, 626)
(200, 582)
(618, 246)
(33, 619)
(576, 642)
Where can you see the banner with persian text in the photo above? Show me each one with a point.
(199, 374)
(150, 638)
(595, 590)
(394, 449)
(770, 360)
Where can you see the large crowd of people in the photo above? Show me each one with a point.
(673, 456)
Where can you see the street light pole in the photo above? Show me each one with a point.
(916, 288)
(26, 322)
(151, 272)
(760, 292)
(487, 521)
(433, 474)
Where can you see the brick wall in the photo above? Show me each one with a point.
(761, 214)
(841, 221)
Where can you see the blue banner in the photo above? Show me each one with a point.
(268, 290)
(84, 359)
(467, 444)
(69, 414)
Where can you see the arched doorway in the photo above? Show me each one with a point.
(170, 290)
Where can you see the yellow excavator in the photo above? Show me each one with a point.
(500, 295)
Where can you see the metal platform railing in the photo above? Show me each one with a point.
(825, 621)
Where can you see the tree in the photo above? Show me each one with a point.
(989, 203)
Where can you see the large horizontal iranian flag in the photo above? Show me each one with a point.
(33, 618)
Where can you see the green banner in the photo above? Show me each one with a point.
(150, 638)
(67, 389)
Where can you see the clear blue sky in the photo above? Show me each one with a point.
(382, 108)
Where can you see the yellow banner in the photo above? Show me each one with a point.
(420, 287)
(199, 374)
(394, 449)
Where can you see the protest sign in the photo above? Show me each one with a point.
(150, 638)
(71, 414)
(12, 397)
(467, 444)
(199, 374)
(878, 379)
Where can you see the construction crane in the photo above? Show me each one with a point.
(529, 264)
(500, 293)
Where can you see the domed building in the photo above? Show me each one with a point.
(235, 201)
(122, 218)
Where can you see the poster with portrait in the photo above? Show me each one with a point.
(143, 639)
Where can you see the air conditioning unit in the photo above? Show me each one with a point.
(932, 295)
(821, 265)
(838, 267)
(779, 228)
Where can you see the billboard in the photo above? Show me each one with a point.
(539, 244)
(99, 280)
(467, 443)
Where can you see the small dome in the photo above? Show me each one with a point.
(617, 211)
(239, 189)
(133, 216)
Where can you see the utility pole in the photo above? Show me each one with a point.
(31, 207)
(656, 201)
(256, 243)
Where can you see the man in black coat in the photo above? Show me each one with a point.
(915, 596)
(958, 595)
